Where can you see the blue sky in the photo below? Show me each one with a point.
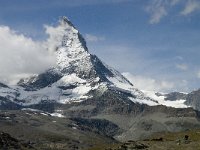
(156, 41)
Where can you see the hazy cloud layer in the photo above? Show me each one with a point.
(191, 6)
(21, 56)
(93, 38)
(23, 5)
(149, 84)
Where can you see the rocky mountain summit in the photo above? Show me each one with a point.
(76, 76)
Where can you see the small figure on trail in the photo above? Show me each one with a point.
(186, 139)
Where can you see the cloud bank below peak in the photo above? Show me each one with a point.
(149, 84)
(21, 56)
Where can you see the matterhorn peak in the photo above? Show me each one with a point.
(70, 45)
(76, 66)
(65, 21)
(64, 34)
(66, 25)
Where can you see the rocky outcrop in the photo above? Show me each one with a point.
(175, 96)
(7, 142)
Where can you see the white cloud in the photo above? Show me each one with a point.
(55, 36)
(157, 10)
(21, 56)
(190, 7)
(157, 15)
(149, 84)
(183, 67)
(93, 38)
(152, 84)
(174, 2)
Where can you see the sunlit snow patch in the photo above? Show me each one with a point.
(57, 115)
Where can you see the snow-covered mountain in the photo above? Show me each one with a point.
(76, 77)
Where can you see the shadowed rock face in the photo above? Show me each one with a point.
(3, 85)
(42, 80)
(6, 104)
(7, 142)
(100, 126)
(175, 96)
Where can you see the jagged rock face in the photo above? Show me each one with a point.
(3, 85)
(40, 81)
(8, 142)
(193, 99)
(71, 52)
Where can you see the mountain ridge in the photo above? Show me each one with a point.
(76, 74)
